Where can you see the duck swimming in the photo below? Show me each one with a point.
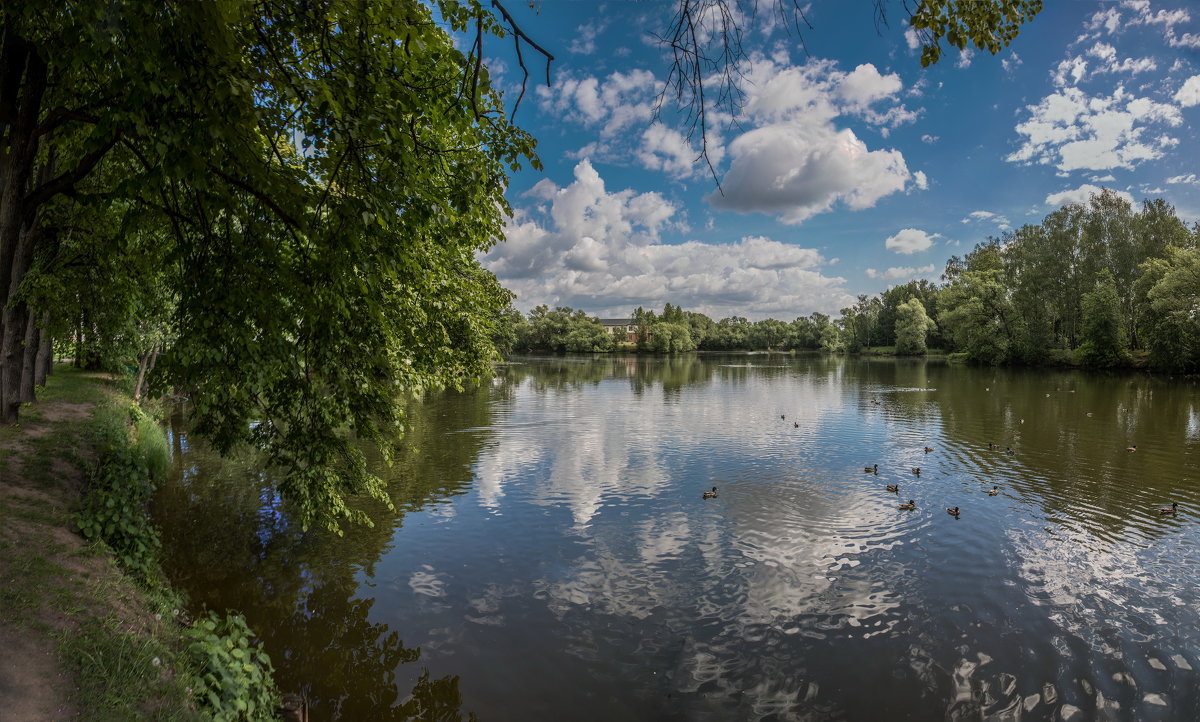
(893, 487)
(871, 469)
(909, 506)
(916, 470)
(710, 494)
(952, 511)
(928, 449)
(1173, 508)
(1131, 449)
(994, 490)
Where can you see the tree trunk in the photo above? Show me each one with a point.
(22, 87)
(29, 351)
(44, 361)
(153, 360)
(12, 331)
(146, 360)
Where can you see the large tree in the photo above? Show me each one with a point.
(318, 177)
(912, 327)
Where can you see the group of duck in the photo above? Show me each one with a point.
(916, 470)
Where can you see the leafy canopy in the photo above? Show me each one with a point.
(317, 179)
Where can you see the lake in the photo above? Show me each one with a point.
(551, 556)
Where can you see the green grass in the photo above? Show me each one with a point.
(120, 674)
(116, 635)
(73, 385)
(152, 446)
(31, 574)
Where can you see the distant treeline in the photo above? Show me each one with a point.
(1096, 285)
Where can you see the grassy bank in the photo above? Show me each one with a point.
(98, 632)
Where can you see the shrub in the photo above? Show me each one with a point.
(115, 511)
(236, 677)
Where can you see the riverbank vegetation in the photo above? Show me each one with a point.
(1098, 285)
(108, 637)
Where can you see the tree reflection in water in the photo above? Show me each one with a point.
(231, 545)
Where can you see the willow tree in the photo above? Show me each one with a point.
(322, 176)
(912, 327)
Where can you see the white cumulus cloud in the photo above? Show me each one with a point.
(1000, 221)
(1075, 131)
(600, 251)
(898, 272)
(1189, 94)
(1080, 195)
(910, 240)
(796, 170)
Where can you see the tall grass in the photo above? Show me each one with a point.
(151, 445)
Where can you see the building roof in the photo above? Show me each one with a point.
(616, 322)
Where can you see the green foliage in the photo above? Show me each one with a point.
(508, 330)
(1103, 337)
(115, 507)
(1172, 310)
(115, 511)
(912, 327)
(563, 329)
(150, 444)
(769, 334)
(235, 678)
(671, 338)
(860, 323)
(830, 339)
(977, 311)
(291, 196)
(987, 24)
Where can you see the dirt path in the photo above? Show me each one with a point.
(42, 563)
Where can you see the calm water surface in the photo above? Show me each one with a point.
(551, 557)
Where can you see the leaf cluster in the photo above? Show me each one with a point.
(235, 677)
(987, 24)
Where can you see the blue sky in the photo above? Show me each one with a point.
(850, 167)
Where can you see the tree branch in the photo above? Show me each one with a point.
(518, 36)
(60, 115)
(65, 182)
(262, 197)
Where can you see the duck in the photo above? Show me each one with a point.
(893, 487)
(710, 494)
(1047, 395)
(1089, 414)
(909, 506)
(952, 511)
(992, 446)
(928, 449)
(994, 490)
(783, 416)
(1010, 451)
(1131, 449)
(795, 424)
(1174, 507)
(871, 469)
(916, 470)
